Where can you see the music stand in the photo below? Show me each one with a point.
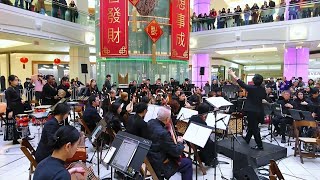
(129, 154)
(95, 139)
(218, 102)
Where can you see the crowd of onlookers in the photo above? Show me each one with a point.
(266, 13)
(59, 7)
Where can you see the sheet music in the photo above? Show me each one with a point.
(185, 114)
(152, 112)
(218, 102)
(197, 134)
(220, 124)
(110, 154)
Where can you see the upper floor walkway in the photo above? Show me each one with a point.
(41, 25)
(302, 27)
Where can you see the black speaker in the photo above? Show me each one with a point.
(247, 173)
(84, 68)
(201, 71)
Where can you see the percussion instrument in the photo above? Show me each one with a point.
(40, 118)
(88, 174)
(22, 120)
(41, 108)
(61, 93)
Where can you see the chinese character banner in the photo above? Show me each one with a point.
(114, 28)
(180, 29)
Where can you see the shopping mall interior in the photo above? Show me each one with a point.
(102, 66)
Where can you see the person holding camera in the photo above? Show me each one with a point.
(39, 82)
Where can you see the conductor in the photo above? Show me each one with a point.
(253, 107)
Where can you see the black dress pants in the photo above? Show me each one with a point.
(253, 129)
(280, 124)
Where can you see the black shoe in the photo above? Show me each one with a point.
(257, 148)
(15, 142)
(283, 140)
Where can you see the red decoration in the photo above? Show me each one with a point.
(134, 2)
(180, 29)
(57, 61)
(114, 28)
(154, 31)
(24, 60)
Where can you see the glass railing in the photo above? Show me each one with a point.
(257, 16)
(55, 9)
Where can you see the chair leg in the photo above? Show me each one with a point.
(296, 147)
(30, 171)
(300, 154)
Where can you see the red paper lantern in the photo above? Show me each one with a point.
(24, 60)
(57, 61)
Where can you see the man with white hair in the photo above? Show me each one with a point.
(165, 154)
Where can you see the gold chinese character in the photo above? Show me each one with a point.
(181, 20)
(154, 31)
(113, 1)
(182, 4)
(180, 39)
(114, 35)
(114, 15)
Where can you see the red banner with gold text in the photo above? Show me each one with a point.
(114, 28)
(180, 29)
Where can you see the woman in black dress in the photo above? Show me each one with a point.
(14, 106)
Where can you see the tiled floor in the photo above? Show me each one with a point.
(14, 166)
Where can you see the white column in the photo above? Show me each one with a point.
(78, 56)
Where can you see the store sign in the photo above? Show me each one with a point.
(114, 28)
(180, 29)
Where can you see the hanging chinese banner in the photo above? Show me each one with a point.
(154, 32)
(180, 29)
(114, 28)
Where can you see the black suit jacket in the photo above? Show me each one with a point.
(137, 126)
(91, 117)
(48, 94)
(254, 99)
(44, 148)
(163, 148)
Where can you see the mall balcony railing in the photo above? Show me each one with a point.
(258, 16)
(55, 9)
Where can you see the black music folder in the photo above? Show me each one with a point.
(301, 115)
(129, 152)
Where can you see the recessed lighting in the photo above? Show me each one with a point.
(52, 43)
(319, 45)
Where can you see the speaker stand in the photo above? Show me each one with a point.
(201, 82)
(85, 77)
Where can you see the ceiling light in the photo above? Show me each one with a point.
(61, 65)
(319, 45)
(46, 66)
(245, 51)
(10, 43)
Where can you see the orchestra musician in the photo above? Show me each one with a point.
(176, 95)
(44, 148)
(271, 96)
(183, 101)
(281, 122)
(109, 99)
(113, 118)
(64, 143)
(164, 154)
(196, 98)
(64, 84)
(253, 107)
(107, 83)
(14, 105)
(91, 115)
(92, 89)
(300, 102)
(314, 102)
(136, 124)
(207, 154)
(49, 92)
